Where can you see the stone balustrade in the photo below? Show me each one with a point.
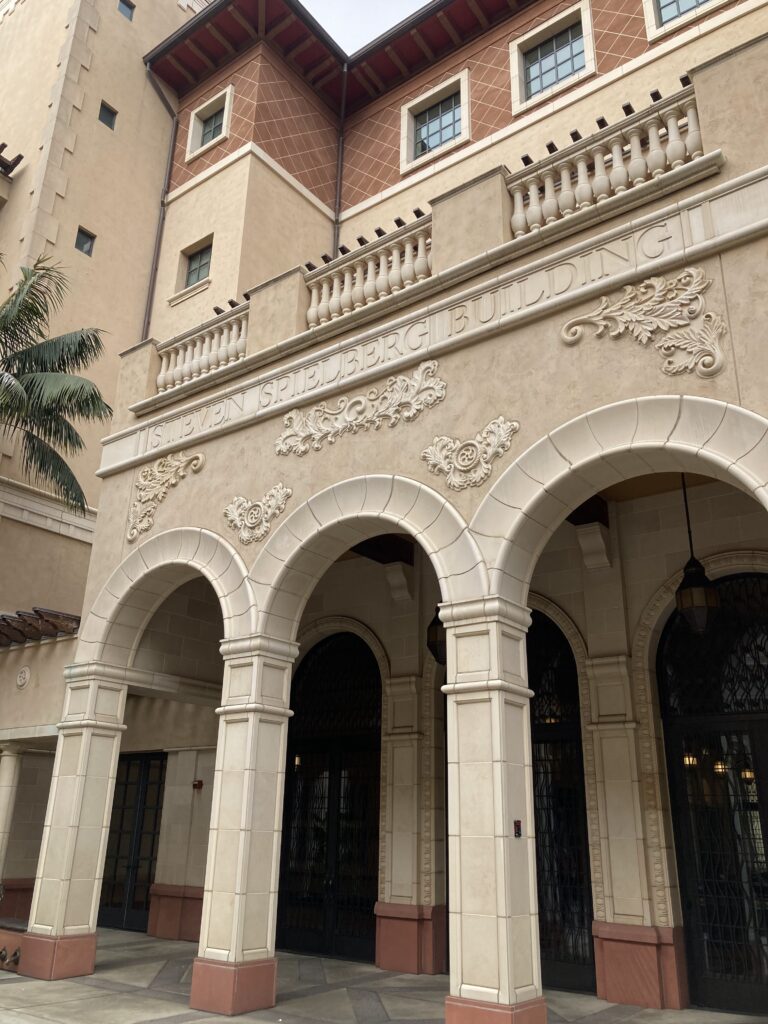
(216, 344)
(621, 157)
(380, 268)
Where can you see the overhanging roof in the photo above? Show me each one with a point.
(225, 28)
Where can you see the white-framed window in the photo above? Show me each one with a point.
(435, 122)
(209, 123)
(665, 16)
(552, 56)
(194, 270)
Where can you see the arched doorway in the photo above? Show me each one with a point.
(330, 853)
(714, 705)
(562, 848)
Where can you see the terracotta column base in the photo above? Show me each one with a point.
(230, 989)
(472, 1011)
(641, 965)
(53, 958)
(411, 939)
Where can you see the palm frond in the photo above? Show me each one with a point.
(44, 465)
(51, 428)
(66, 353)
(65, 394)
(26, 313)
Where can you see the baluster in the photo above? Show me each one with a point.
(583, 193)
(358, 291)
(324, 309)
(549, 206)
(196, 356)
(408, 273)
(382, 281)
(346, 292)
(657, 158)
(214, 356)
(234, 334)
(335, 303)
(313, 318)
(534, 216)
(421, 263)
(395, 272)
(566, 200)
(163, 371)
(223, 345)
(370, 280)
(178, 368)
(693, 140)
(205, 357)
(676, 148)
(519, 219)
(601, 183)
(637, 170)
(619, 177)
(242, 337)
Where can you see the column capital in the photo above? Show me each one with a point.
(259, 643)
(492, 608)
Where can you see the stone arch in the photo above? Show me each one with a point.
(327, 524)
(660, 854)
(321, 628)
(572, 633)
(147, 576)
(661, 433)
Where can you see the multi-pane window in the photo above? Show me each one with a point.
(198, 266)
(554, 59)
(212, 126)
(671, 9)
(84, 241)
(126, 8)
(437, 124)
(107, 115)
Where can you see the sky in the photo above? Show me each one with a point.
(352, 23)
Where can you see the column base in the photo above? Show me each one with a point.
(641, 965)
(175, 912)
(411, 939)
(54, 958)
(472, 1011)
(230, 989)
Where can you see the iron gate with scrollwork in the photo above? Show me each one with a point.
(714, 703)
(562, 848)
(330, 852)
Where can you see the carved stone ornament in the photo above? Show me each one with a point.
(468, 463)
(666, 311)
(153, 485)
(253, 519)
(401, 398)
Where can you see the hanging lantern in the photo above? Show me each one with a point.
(690, 760)
(720, 767)
(436, 642)
(697, 598)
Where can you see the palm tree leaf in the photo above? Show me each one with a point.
(44, 465)
(25, 314)
(65, 394)
(51, 428)
(11, 392)
(66, 353)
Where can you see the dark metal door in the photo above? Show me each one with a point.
(330, 853)
(714, 697)
(560, 816)
(134, 831)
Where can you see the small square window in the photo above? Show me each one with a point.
(437, 124)
(107, 115)
(212, 126)
(85, 241)
(126, 8)
(198, 266)
(554, 60)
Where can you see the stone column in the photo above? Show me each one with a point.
(61, 937)
(236, 970)
(493, 910)
(10, 766)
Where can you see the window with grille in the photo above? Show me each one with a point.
(198, 266)
(437, 124)
(212, 127)
(555, 59)
(671, 9)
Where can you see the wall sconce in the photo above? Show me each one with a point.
(297, 762)
(690, 760)
(748, 774)
(197, 784)
(720, 767)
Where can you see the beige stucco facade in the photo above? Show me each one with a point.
(485, 409)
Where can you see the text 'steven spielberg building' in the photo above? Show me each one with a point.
(424, 619)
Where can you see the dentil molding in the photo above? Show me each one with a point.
(468, 463)
(666, 311)
(253, 519)
(153, 485)
(403, 397)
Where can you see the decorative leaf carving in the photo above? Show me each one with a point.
(253, 519)
(468, 463)
(401, 398)
(153, 485)
(668, 307)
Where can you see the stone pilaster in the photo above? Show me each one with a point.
(10, 767)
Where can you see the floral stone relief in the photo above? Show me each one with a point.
(468, 463)
(153, 485)
(667, 312)
(403, 397)
(253, 519)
